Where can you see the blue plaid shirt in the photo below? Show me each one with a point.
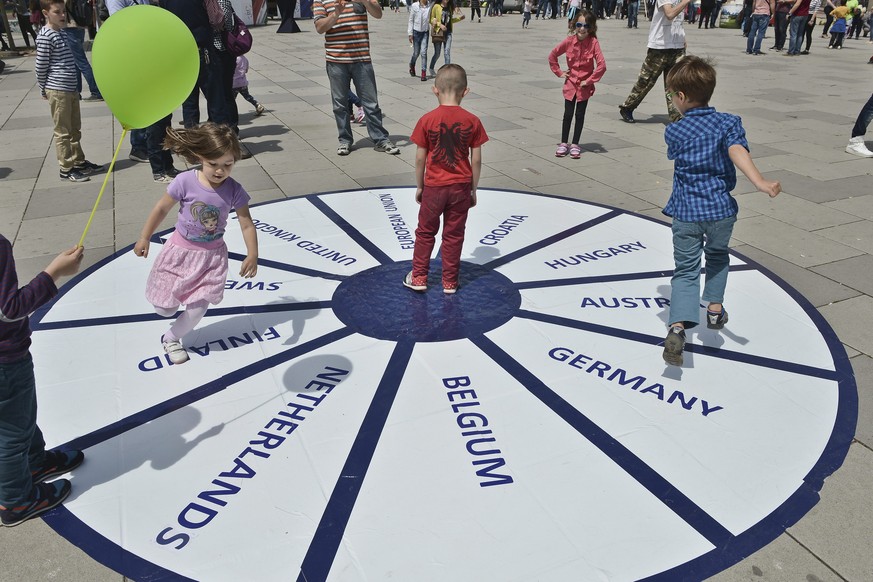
(703, 173)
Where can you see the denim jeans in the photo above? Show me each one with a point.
(419, 46)
(756, 34)
(161, 160)
(864, 118)
(797, 26)
(340, 76)
(780, 28)
(690, 240)
(447, 50)
(21, 442)
(75, 38)
(632, 10)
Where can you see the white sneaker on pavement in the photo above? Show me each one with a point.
(857, 147)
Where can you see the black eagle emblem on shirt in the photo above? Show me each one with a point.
(447, 143)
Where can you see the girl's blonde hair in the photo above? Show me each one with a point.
(209, 141)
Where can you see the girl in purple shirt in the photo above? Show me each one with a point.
(191, 269)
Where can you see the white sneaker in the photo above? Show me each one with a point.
(174, 349)
(359, 115)
(857, 147)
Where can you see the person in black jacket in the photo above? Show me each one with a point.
(211, 77)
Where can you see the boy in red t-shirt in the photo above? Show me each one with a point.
(447, 167)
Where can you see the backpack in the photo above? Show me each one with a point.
(238, 40)
(81, 11)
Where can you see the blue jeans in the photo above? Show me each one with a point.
(756, 33)
(632, 9)
(797, 27)
(690, 240)
(419, 46)
(340, 76)
(75, 38)
(864, 118)
(21, 442)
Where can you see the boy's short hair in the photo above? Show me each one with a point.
(47, 4)
(451, 78)
(693, 76)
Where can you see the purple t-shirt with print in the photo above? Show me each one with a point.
(203, 211)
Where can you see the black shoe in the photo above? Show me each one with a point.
(138, 156)
(43, 497)
(674, 345)
(716, 319)
(412, 70)
(57, 463)
(87, 168)
(74, 175)
(626, 114)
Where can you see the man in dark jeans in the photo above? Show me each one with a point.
(209, 80)
(781, 24)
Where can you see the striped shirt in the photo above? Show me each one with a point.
(703, 173)
(348, 41)
(55, 66)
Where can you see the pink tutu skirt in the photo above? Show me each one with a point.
(181, 276)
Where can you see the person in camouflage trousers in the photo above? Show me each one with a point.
(665, 47)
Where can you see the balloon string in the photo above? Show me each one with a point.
(103, 187)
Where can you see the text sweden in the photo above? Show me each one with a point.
(199, 513)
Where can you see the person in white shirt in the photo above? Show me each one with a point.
(666, 46)
(419, 35)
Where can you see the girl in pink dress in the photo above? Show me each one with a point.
(585, 66)
(191, 269)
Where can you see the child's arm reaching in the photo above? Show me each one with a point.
(156, 217)
(741, 159)
(250, 235)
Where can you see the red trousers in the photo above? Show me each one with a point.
(452, 203)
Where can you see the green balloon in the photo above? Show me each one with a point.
(146, 63)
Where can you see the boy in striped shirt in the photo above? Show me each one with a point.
(57, 76)
(347, 51)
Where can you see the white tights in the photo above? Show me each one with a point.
(186, 322)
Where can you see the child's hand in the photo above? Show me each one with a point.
(249, 267)
(66, 263)
(770, 188)
(418, 192)
(473, 199)
(141, 248)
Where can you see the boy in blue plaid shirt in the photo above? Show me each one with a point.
(706, 146)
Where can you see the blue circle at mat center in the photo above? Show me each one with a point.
(376, 304)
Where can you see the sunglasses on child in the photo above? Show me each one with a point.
(581, 25)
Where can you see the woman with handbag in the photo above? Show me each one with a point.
(441, 19)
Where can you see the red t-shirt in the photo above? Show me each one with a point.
(447, 133)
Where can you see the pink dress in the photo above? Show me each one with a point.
(192, 265)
